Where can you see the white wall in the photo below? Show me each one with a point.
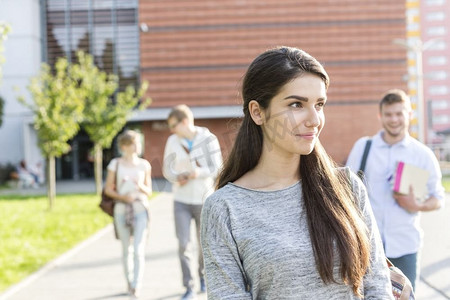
(23, 59)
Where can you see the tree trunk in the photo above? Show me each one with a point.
(98, 170)
(51, 181)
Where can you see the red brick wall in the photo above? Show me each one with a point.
(196, 52)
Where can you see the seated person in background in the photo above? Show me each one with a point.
(37, 171)
(26, 178)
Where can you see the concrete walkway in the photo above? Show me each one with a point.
(93, 270)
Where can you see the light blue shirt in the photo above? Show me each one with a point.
(400, 230)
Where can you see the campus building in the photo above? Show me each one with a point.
(196, 52)
(428, 76)
(435, 35)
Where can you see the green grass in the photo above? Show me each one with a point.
(31, 236)
(446, 183)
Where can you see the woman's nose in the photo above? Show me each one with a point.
(313, 119)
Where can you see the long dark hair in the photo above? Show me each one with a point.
(333, 217)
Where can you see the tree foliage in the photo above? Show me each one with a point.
(70, 95)
(105, 116)
(105, 110)
(57, 104)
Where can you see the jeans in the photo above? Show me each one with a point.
(408, 264)
(184, 213)
(133, 247)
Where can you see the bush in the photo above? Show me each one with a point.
(5, 172)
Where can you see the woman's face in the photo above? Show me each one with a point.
(132, 148)
(295, 117)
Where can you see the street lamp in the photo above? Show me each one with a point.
(418, 48)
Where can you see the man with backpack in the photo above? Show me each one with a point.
(192, 160)
(397, 215)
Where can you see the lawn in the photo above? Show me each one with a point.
(31, 235)
(446, 183)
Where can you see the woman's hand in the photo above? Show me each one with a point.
(128, 198)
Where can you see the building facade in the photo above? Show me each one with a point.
(196, 53)
(23, 54)
(435, 35)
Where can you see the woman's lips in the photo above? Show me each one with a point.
(311, 135)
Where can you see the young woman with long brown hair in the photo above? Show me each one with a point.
(285, 222)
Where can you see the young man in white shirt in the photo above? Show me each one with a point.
(192, 159)
(397, 215)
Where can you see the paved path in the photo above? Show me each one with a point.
(435, 258)
(93, 270)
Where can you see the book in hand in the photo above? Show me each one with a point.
(407, 175)
(127, 186)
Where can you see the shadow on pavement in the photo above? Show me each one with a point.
(435, 267)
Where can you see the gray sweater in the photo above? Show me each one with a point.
(256, 245)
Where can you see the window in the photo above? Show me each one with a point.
(434, 2)
(438, 90)
(438, 45)
(107, 29)
(439, 104)
(436, 31)
(437, 60)
(441, 119)
(437, 75)
(435, 16)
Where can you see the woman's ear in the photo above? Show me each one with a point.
(256, 112)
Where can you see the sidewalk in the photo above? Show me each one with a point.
(93, 270)
(435, 256)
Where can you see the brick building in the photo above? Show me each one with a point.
(435, 34)
(196, 52)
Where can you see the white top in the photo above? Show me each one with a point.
(400, 230)
(261, 239)
(127, 180)
(205, 156)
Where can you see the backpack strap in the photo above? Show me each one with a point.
(188, 152)
(362, 166)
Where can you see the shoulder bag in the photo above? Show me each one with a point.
(106, 202)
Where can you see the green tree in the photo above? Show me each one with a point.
(104, 114)
(57, 104)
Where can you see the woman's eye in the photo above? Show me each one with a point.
(320, 104)
(296, 104)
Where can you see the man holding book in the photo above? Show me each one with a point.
(389, 156)
(192, 160)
